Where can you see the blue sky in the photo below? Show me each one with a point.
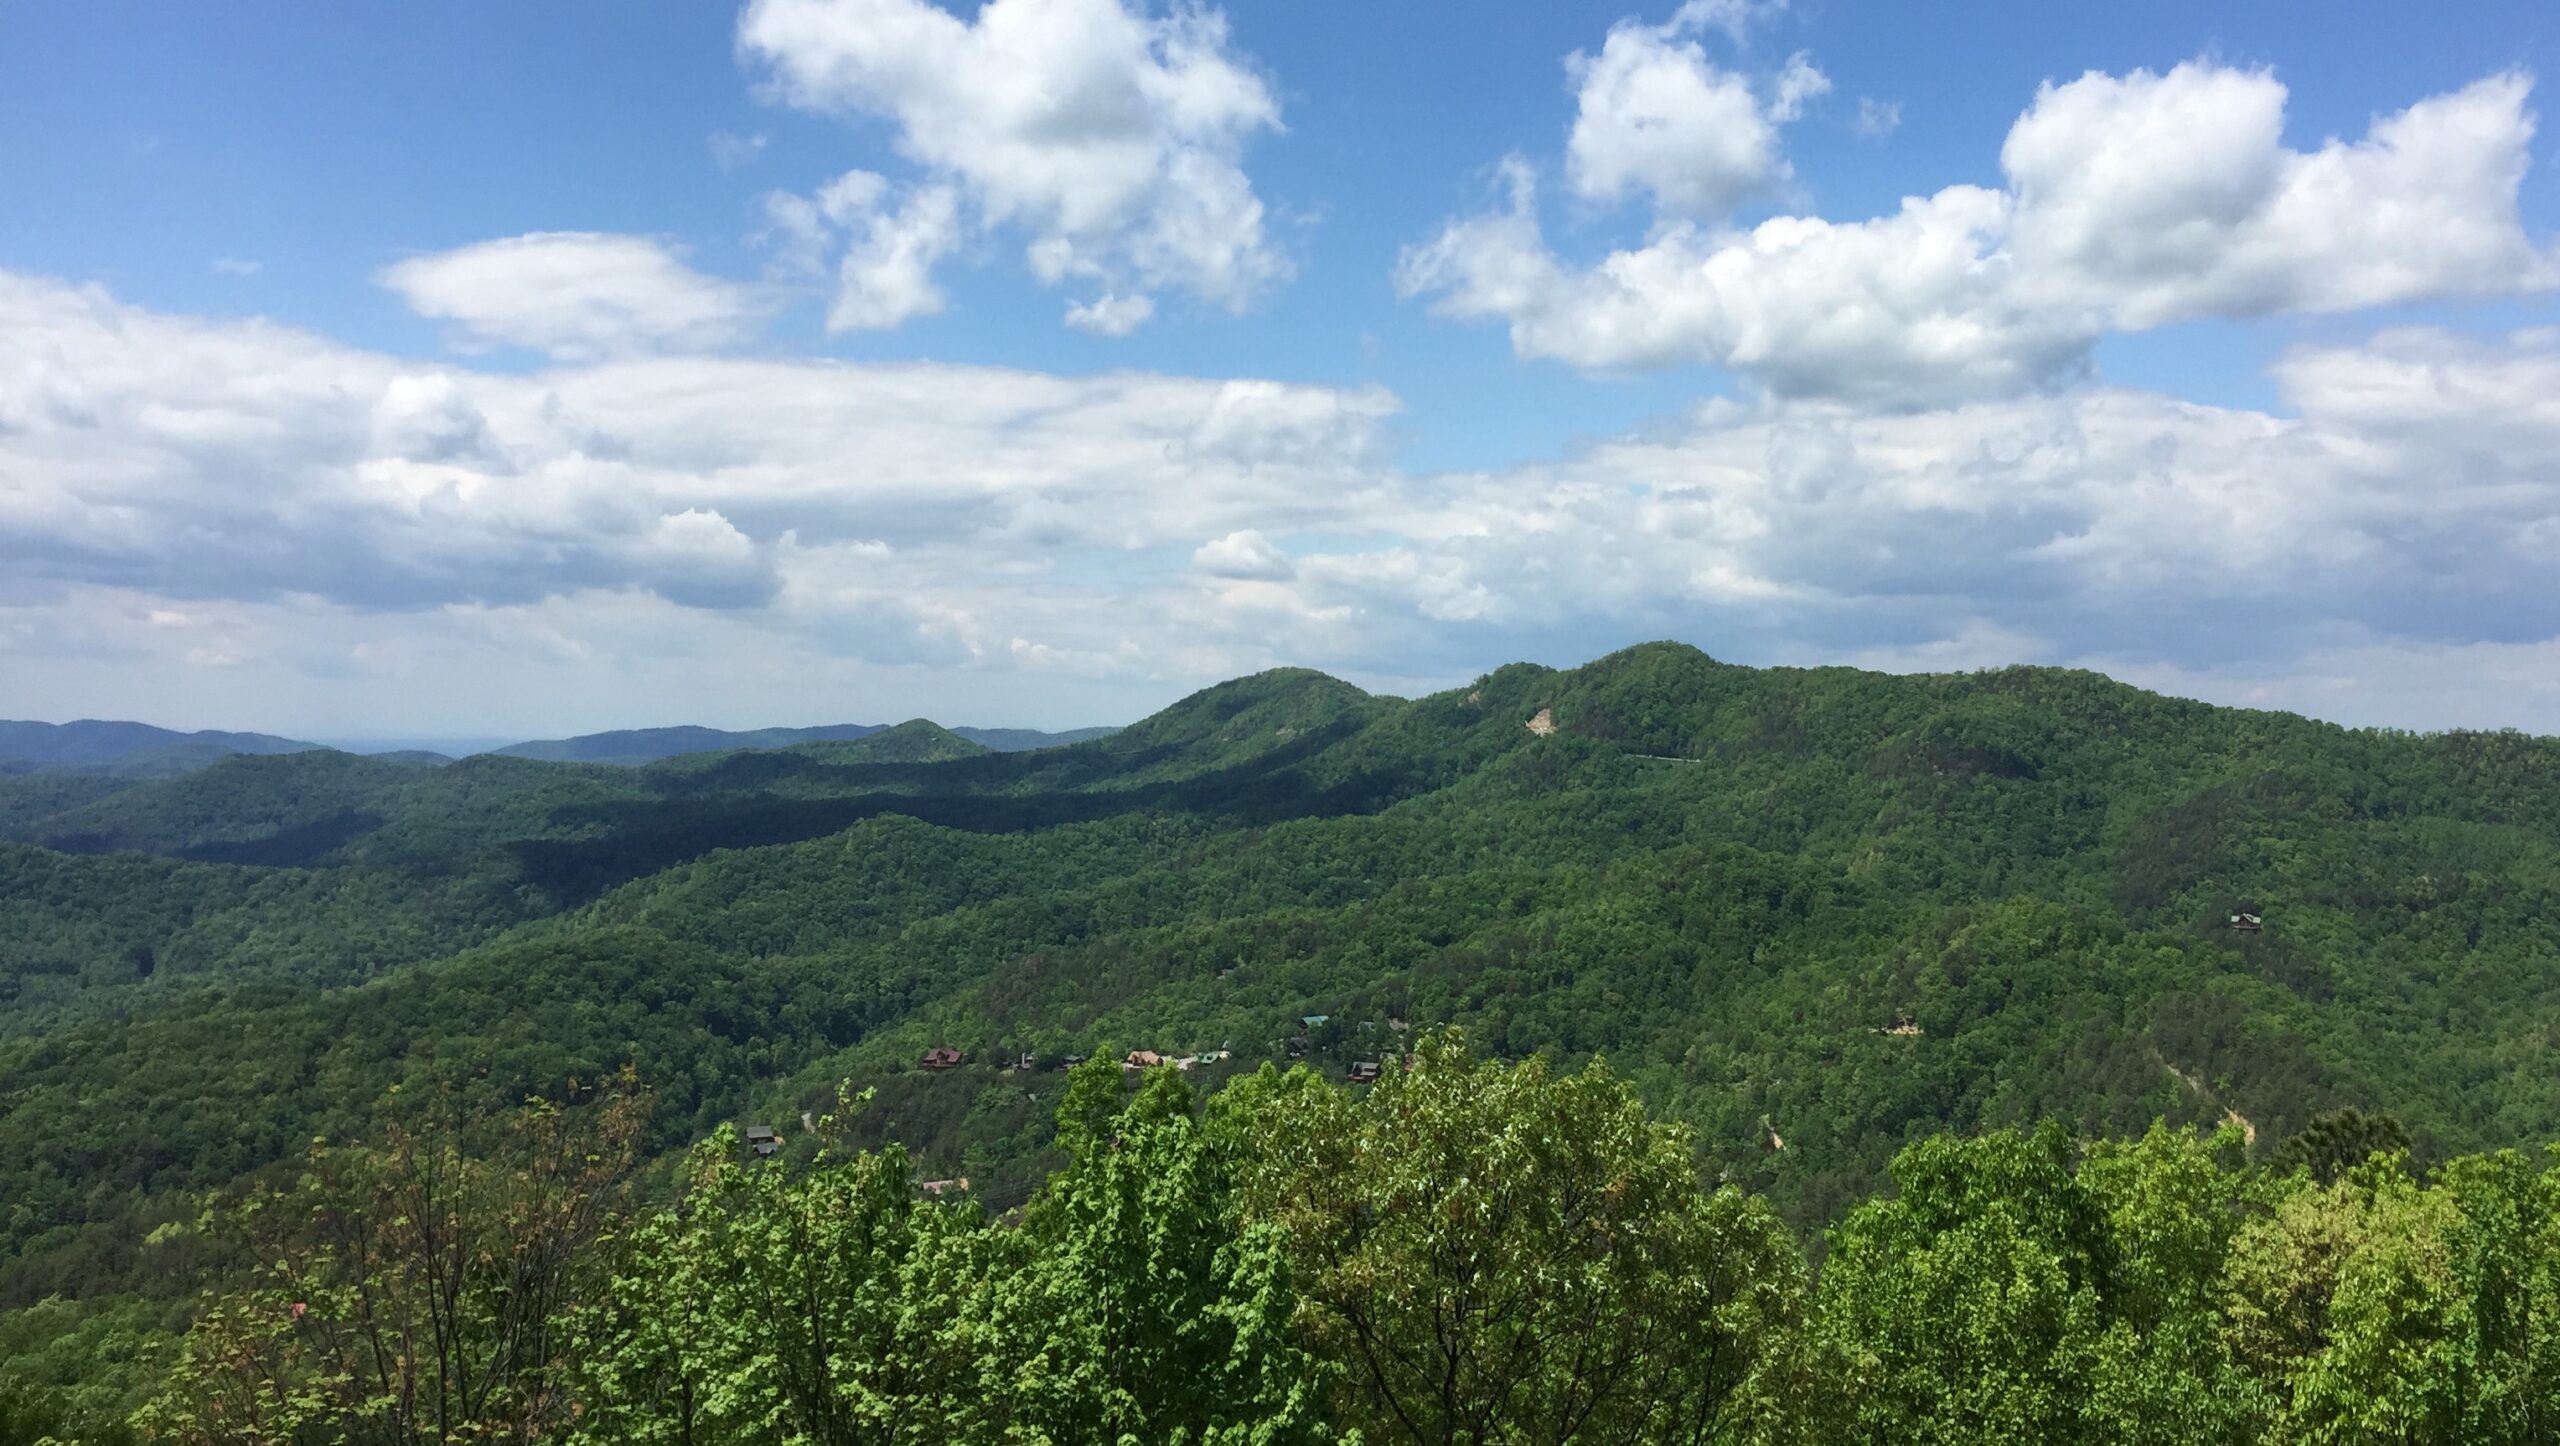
(488, 368)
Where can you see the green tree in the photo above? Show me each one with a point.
(2376, 1310)
(1156, 1313)
(1496, 1254)
(2336, 1141)
(1967, 1307)
(826, 1306)
(407, 1293)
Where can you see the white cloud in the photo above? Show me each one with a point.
(2132, 202)
(245, 460)
(236, 266)
(1796, 85)
(892, 243)
(2157, 198)
(1244, 554)
(574, 294)
(1110, 139)
(1111, 314)
(1653, 114)
(1877, 118)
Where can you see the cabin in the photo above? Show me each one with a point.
(1297, 1047)
(939, 1188)
(1143, 1059)
(1070, 1061)
(762, 1140)
(2247, 923)
(1313, 1021)
(1024, 1063)
(941, 1059)
(1365, 1071)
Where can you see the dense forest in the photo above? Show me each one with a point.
(2014, 1052)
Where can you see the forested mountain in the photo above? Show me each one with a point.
(648, 745)
(132, 748)
(1817, 916)
(139, 750)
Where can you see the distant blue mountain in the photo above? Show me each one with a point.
(91, 745)
(141, 750)
(633, 746)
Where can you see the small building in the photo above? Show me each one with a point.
(942, 1059)
(1024, 1063)
(1365, 1071)
(939, 1188)
(762, 1140)
(1143, 1059)
(1297, 1046)
(1070, 1061)
(1313, 1021)
(2247, 923)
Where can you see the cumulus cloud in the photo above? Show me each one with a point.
(1109, 139)
(892, 243)
(1654, 114)
(1877, 119)
(575, 295)
(1111, 315)
(2132, 202)
(1244, 554)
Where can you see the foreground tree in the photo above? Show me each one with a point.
(409, 1292)
(1496, 1254)
(830, 1305)
(2377, 1310)
(1158, 1313)
(2013, 1289)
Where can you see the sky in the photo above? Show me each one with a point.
(493, 369)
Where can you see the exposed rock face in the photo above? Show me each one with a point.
(1544, 723)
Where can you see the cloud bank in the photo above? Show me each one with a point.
(243, 499)
(2132, 202)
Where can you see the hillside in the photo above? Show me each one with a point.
(1832, 909)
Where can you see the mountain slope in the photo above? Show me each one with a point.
(1813, 912)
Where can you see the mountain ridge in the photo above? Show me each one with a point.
(1829, 905)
